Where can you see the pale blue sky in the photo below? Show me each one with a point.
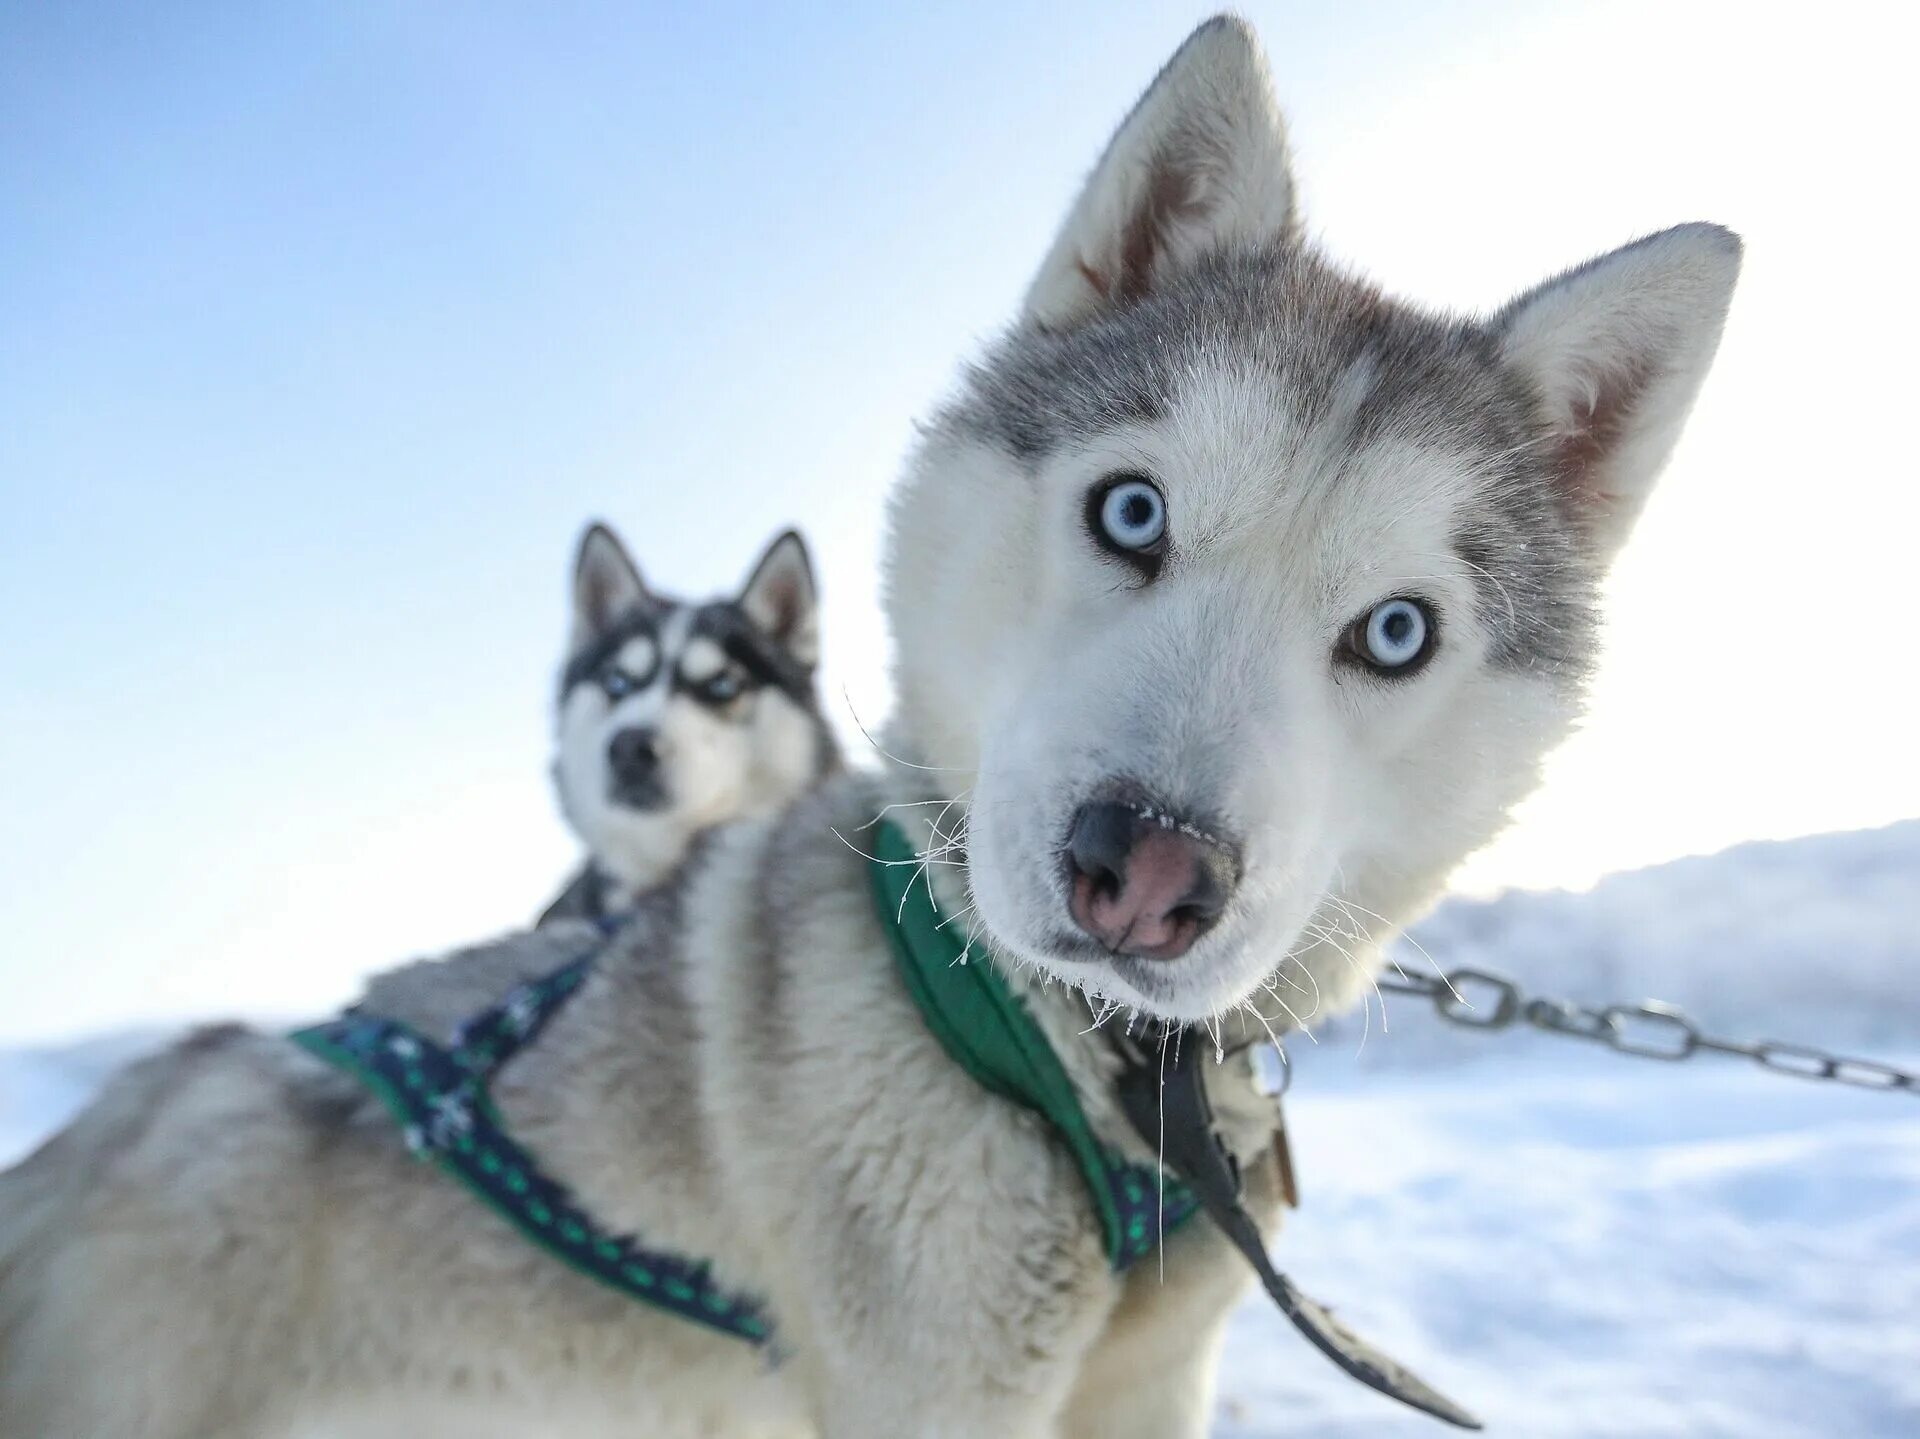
(324, 327)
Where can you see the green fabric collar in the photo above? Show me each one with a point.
(988, 1031)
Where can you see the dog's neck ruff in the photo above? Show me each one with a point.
(986, 1029)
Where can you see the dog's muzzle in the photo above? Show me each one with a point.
(634, 771)
(1143, 882)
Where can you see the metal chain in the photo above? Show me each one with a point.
(1651, 1030)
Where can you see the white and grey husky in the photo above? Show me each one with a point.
(1233, 603)
(675, 717)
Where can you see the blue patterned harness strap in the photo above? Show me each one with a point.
(441, 1100)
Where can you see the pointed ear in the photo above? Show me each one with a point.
(1615, 351)
(779, 597)
(606, 584)
(1201, 163)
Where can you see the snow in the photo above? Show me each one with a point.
(1567, 1241)
(1572, 1242)
(1584, 1245)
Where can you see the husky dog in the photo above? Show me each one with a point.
(1233, 603)
(675, 717)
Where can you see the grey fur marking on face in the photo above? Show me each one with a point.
(1287, 315)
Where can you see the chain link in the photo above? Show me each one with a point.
(1479, 999)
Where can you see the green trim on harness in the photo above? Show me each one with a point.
(988, 1031)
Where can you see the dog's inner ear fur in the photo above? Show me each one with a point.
(1200, 164)
(1615, 351)
(606, 584)
(779, 597)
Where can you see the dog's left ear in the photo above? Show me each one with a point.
(1615, 351)
(606, 584)
(1200, 164)
(780, 598)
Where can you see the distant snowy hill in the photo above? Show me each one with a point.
(40, 1089)
(1815, 940)
(1570, 1242)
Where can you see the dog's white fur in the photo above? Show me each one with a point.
(233, 1241)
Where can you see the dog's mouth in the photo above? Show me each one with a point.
(1161, 988)
(1065, 947)
(642, 796)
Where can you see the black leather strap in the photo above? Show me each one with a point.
(1163, 1090)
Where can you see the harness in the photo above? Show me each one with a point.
(440, 1097)
(986, 1029)
(585, 897)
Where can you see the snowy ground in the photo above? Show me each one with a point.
(1574, 1243)
(1570, 1242)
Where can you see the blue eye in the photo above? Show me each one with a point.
(617, 683)
(1132, 514)
(1394, 635)
(722, 687)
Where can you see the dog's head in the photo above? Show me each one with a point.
(1250, 597)
(675, 717)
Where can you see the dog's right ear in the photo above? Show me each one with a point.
(1614, 351)
(781, 598)
(606, 584)
(1201, 163)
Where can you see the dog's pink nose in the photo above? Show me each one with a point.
(1143, 884)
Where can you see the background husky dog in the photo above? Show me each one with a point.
(1233, 603)
(674, 717)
